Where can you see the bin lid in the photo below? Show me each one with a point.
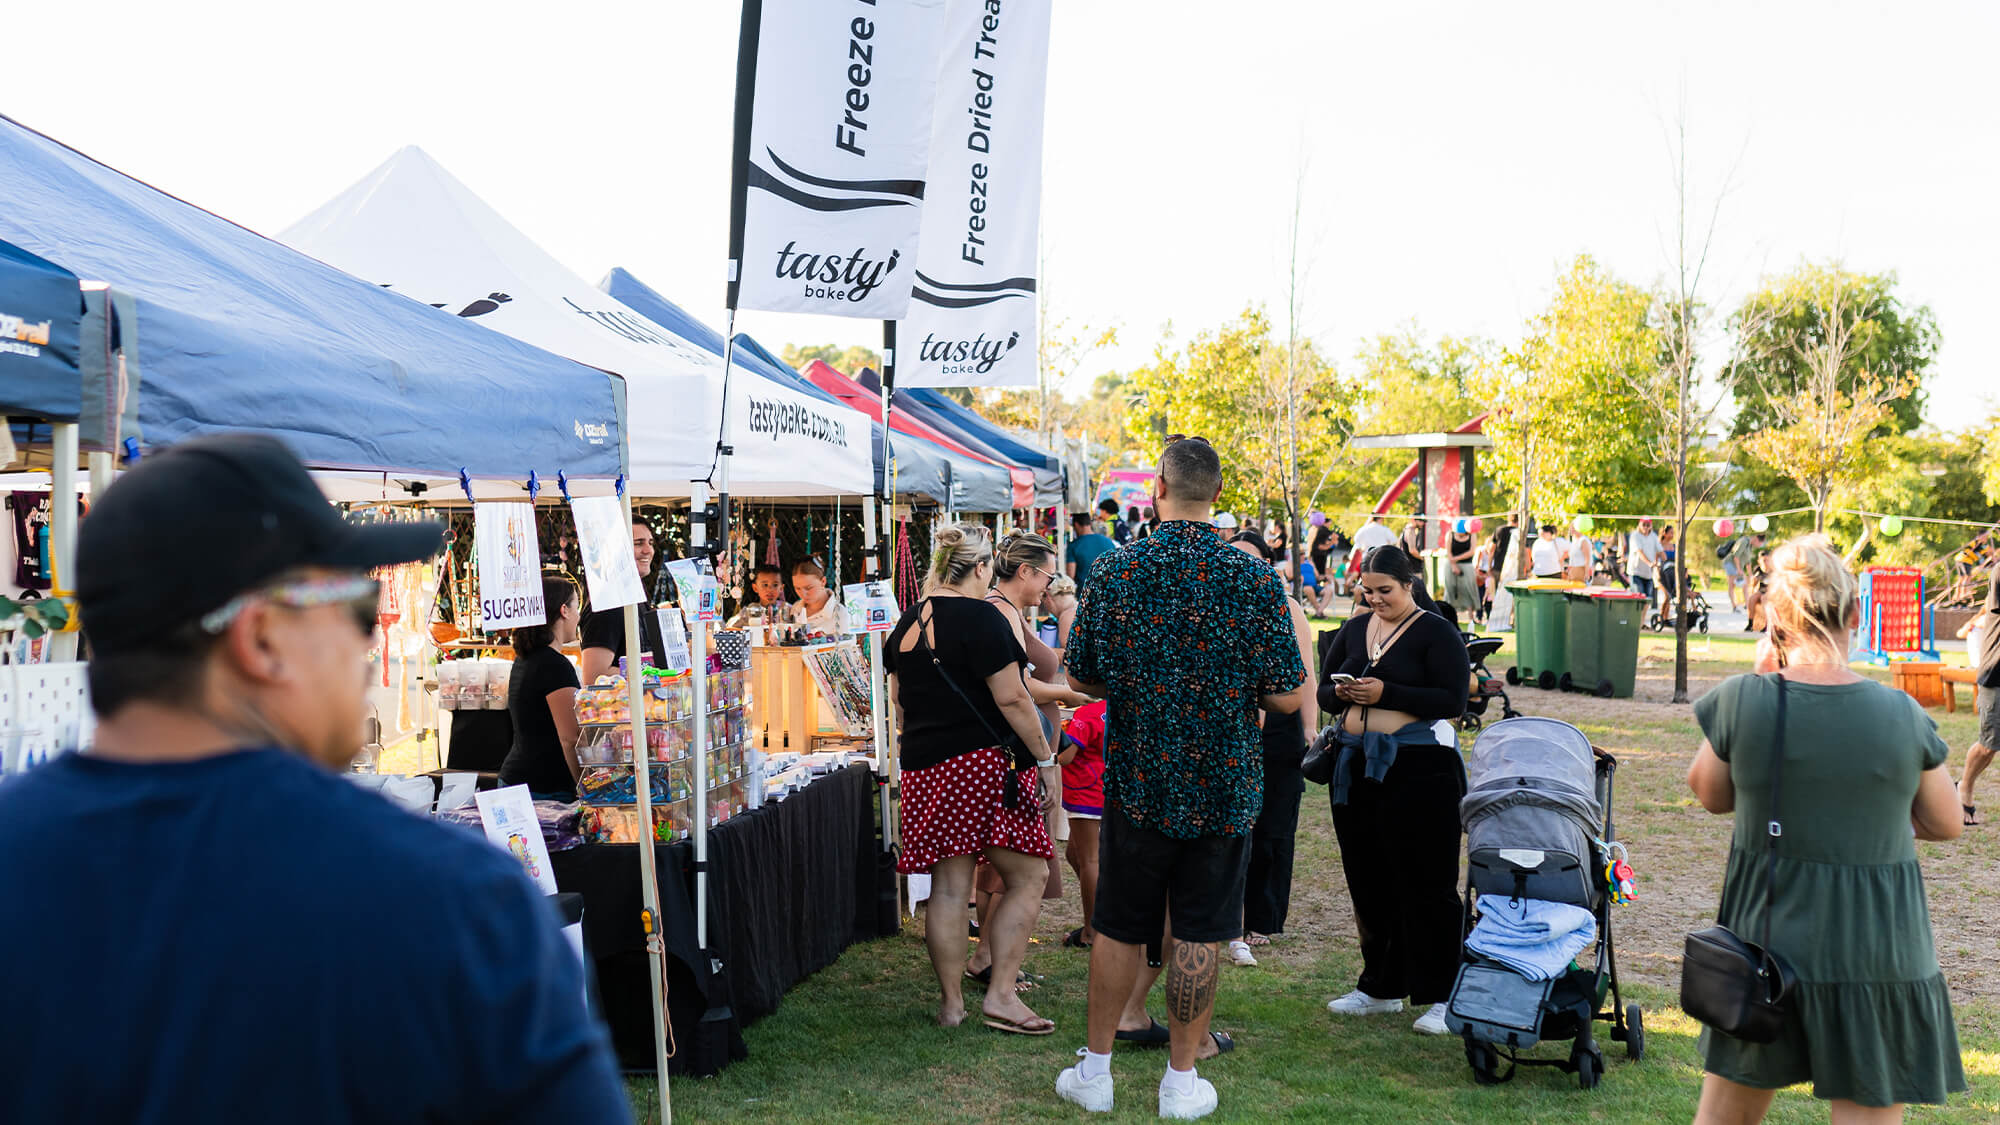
(1606, 592)
(1545, 584)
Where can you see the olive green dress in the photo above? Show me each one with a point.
(1871, 1020)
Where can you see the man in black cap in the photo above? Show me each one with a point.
(205, 922)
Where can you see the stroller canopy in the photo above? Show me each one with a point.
(1532, 760)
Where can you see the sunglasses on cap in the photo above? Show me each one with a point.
(360, 594)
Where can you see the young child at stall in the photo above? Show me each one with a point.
(1083, 800)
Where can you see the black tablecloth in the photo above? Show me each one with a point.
(791, 885)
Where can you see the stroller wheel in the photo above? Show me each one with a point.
(1470, 723)
(1635, 1033)
(1485, 1061)
(1589, 1063)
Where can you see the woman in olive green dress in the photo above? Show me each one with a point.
(1870, 1025)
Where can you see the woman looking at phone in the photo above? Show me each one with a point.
(1390, 673)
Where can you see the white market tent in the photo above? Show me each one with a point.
(412, 227)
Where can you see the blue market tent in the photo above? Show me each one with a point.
(41, 316)
(234, 331)
(922, 468)
(968, 427)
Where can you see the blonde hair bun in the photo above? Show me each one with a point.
(1809, 592)
(957, 551)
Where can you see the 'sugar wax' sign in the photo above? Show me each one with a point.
(510, 566)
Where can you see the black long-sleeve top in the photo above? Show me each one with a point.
(1425, 673)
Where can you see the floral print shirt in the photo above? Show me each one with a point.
(1184, 633)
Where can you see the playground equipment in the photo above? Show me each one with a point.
(1896, 619)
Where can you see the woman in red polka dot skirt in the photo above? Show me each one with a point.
(979, 777)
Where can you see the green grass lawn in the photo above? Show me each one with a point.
(856, 1043)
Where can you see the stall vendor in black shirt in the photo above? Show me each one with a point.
(604, 639)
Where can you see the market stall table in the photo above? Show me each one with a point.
(791, 885)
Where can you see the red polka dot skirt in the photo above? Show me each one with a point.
(953, 808)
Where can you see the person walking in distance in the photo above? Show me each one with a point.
(223, 873)
(1185, 637)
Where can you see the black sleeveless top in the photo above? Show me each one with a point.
(1284, 740)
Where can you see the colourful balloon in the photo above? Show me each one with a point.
(1476, 525)
(1585, 523)
(1460, 527)
(1760, 524)
(1724, 528)
(1318, 519)
(1892, 526)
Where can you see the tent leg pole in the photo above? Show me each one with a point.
(649, 876)
(62, 534)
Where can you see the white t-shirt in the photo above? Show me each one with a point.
(1371, 536)
(1547, 555)
(1644, 545)
(1579, 551)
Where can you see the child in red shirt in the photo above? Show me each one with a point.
(1083, 801)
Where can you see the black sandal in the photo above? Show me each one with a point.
(1971, 814)
(1154, 1036)
(1074, 939)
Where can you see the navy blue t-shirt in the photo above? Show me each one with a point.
(250, 937)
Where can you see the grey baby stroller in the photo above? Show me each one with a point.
(1538, 793)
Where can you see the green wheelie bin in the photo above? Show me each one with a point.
(1603, 634)
(1541, 631)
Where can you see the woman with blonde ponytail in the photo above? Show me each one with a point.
(979, 776)
(1862, 773)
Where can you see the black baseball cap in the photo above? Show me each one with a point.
(209, 519)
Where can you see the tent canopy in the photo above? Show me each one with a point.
(41, 317)
(232, 331)
(980, 485)
(921, 469)
(978, 433)
(412, 227)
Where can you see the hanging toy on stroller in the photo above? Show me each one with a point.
(1539, 962)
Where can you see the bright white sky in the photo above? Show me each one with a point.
(1457, 154)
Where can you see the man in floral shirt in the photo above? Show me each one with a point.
(1186, 638)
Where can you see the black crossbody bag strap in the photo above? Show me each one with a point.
(1011, 793)
(1776, 827)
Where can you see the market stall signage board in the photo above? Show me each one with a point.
(608, 569)
(508, 816)
(510, 566)
(871, 607)
(700, 597)
(673, 635)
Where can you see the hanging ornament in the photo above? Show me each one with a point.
(1585, 523)
(1476, 525)
(1318, 519)
(1892, 526)
(1760, 524)
(1725, 527)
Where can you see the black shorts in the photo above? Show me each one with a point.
(1143, 875)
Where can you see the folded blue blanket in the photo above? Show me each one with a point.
(1533, 938)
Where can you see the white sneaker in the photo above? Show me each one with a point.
(1093, 1094)
(1239, 953)
(1359, 1003)
(1432, 1022)
(1187, 1107)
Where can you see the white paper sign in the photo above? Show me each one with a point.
(972, 317)
(673, 634)
(833, 160)
(509, 817)
(608, 567)
(871, 607)
(510, 565)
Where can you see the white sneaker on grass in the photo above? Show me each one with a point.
(1186, 1107)
(1239, 953)
(1432, 1022)
(1359, 1003)
(1093, 1094)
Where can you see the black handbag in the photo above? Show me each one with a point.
(1741, 989)
(1317, 765)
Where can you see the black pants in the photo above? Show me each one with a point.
(1399, 844)
(1267, 893)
